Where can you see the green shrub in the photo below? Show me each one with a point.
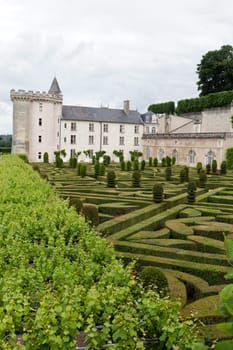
(158, 193)
(182, 175)
(191, 191)
(24, 157)
(199, 167)
(168, 173)
(128, 165)
(76, 203)
(106, 160)
(97, 169)
(150, 161)
(164, 107)
(143, 164)
(168, 161)
(154, 278)
(101, 169)
(229, 158)
(46, 157)
(186, 169)
(90, 211)
(122, 165)
(214, 166)
(136, 177)
(163, 162)
(73, 162)
(223, 167)
(83, 170)
(155, 162)
(202, 178)
(79, 165)
(59, 162)
(173, 160)
(208, 168)
(111, 179)
(135, 164)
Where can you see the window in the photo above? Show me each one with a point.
(122, 140)
(192, 156)
(105, 127)
(136, 141)
(40, 106)
(105, 140)
(72, 153)
(161, 154)
(39, 138)
(39, 155)
(65, 125)
(136, 129)
(175, 155)
(73, 126)
(122, 129)
(91, 126)
(91, 140)
(73, 139)
(147, 129)
(153, 130)
(40, 121)
(210, 157)
(91, 153)
(64, 139)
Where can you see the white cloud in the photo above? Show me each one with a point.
(105, 51)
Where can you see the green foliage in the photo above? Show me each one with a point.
(202, 178)
(158, 193)
(214, 166)
(168, 161)
(223, 168)
(218, 99)
(90, 211)
(83, 170)
(136, 178)
(155, 162)
(182, 175)
(135, 155)
(46, 157)
(208, 168)
(122, 164)
(143, 164)
(23, 157)
(191, 191)
(229, 158)
(128, 165)
(186, 170)
(79, 165)
(163, 162)
(166, 107)
(119, 154)
(101, 169)
(73, 162)
(199, 167)
(111, 179)
(106, 160)
(173, 160)
(154, 278)
(97, 169)
(76, 203)
(59, 162)
(150, 161)
(168, 173)
(215, 71)
(135, 164)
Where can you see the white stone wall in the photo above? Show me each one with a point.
(113, 135)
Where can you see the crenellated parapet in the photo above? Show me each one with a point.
(31, 96)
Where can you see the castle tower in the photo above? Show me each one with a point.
(36, 122)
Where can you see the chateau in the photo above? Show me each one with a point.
(41, 123)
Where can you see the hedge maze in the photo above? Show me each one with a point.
(184, 241)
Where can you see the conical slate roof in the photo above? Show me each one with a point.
(54, 88)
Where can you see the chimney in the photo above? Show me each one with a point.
(126, 107)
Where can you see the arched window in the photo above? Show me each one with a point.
(161, 154)
(153, 130)
(175, 155)
(210, 157)
(192, 156)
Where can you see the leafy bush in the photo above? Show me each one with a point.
(73, 162)
(223, 167)
(214, 166)
(106, 160)
(101, 169)
(111, 178)
(182, 175)
(150, 161)
(208, 168)
(165, 107)
(191, 191)
(83, 170)
(135, 164)
(46, 157)
(122, 164)
(59, 162)
(143, 164)
(90, 211)
(155, 162)
(154, 278)
(97, 169)
(173, 160)
(76, 203)
(202, 178)
(168, 173)
(186, 169)
(24, 157)
(136, 177)
(128, 165)
(168, 161)
(79, 165)
(199, 167)
(229, 158)
(163, 162)
(158, 193)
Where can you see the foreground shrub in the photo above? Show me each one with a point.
(111, 178)
(155, 279)
(90, 211)
(136, 178)
(158, 193)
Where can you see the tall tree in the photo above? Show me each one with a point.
(215, 71)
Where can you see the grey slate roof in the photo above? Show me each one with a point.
(147, 117)
(102, 114)
(54, 88)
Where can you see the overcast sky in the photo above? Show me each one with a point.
(105, 51)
